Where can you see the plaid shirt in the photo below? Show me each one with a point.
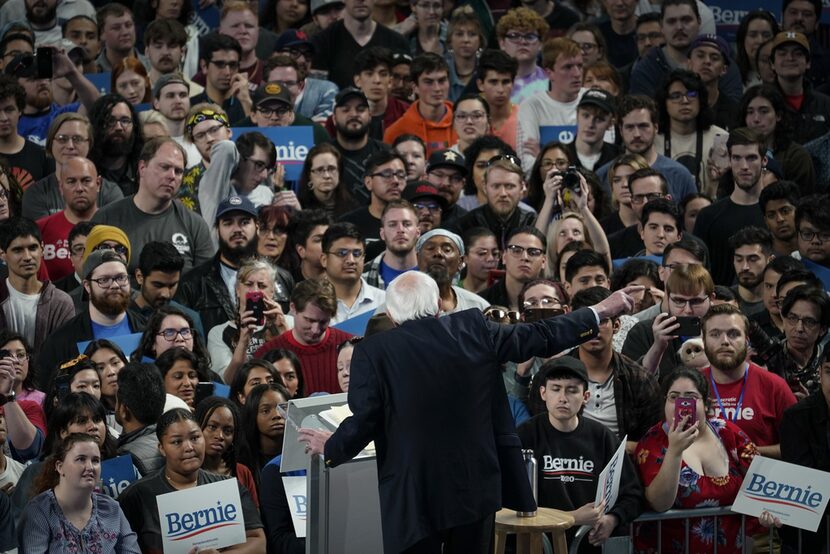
(372, 273)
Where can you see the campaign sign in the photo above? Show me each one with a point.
(100, 80)
(207, 516)
(295, 494)
(292, 143)
(204, 19)
(117, 474)
(562, 133)
(608, 485)
(796, 494)
(127, 343)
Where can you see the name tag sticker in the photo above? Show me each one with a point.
(796, 494)
(207, 516)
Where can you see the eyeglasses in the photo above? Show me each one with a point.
(587, 46)
(202, 135)
(389, 174)
(544, 302)
(515, 36)
(808, 236)
(498, 314)
(655, 35)
(324, 170)
(118, 249)
(517, 251)
(222, 64)
(688, 95)
(560, 163)
(345, 252)
(506, 157)
(123, 121)
(431, 207)
(471, 117)
(171, 334)
(643, 198)
(691, 302)
(259, 165)
(263, 230)
(809, 323)
(282, 111)
(66, 139)
(105, 282)
(19, 355)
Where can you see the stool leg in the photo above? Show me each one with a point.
(501, 542)
(535, 545)
(560, 544)
(523, 544)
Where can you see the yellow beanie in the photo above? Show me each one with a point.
(101, 233)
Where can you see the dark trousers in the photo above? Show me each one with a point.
(473, 538)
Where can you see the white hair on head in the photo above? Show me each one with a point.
(412, 295)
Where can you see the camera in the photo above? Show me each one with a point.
(570, 180)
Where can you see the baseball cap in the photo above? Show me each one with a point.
(168, 79)
(791, 37)
(272, 91)
(598, 97)
(423, 189)
(320, 4)
(566, 364)
(76, 53)
(98, 258)
(292, 38)
(21, 65)
(714, 41)
(347, 93)
(235, 203)
(447, 158)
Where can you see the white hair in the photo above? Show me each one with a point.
(412, 295)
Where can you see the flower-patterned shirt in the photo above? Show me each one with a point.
(697, 491)
(44, 528)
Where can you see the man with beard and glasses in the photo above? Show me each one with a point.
(171, 99)
(117, 28)
(428, 203)
(26, 159)
(752, 251)
(29, 307)
(158, 276)
(107, 282)
(210, 287)
(352, 120)
(399, 231)
(724, 218)
(778, 203)
(117, 141)
(342, 260)
(83, 31)
(153, 212)
(441, 256)
(79, 185)
(749, 396)
(40, 109)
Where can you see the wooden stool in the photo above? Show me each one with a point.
(529, 530)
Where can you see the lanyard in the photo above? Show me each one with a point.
(740, 398)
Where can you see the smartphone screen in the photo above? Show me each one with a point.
(43, 59)
(685, 407)
(203, 390)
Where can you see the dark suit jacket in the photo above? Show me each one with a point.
(431, 395)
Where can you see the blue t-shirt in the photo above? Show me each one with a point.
(36, 127)
(388, 274)
(109, 331)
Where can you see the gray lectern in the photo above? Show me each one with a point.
(343, 505)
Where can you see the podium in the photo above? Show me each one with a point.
(343, 504)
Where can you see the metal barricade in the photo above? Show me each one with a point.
(626, 544)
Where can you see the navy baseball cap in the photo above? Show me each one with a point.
(235, 203)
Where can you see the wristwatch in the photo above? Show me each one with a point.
(8, 398)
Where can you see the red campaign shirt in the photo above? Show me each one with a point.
(766, 396)
(55, 230)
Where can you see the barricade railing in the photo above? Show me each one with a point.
(626, 544)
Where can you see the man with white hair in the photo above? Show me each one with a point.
(441, 423)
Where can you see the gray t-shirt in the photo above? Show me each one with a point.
(184, 229)
(43, 198)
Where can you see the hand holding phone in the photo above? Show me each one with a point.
(685, 407)
(689, 327)
(255, 302)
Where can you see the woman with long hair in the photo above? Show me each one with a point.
(169, 327)
(68, 512)
(182, 444)
(465, 41)
(181, 373)
(264, 426)
(320, 182)
(108, 359)
(552, 155)
(756, 28)
(130, 80)
(273, 234)
(252, 373)
(289, 369)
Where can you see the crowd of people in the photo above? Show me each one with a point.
(165, 283)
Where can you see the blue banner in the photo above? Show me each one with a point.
(117, 474)
(204, 20)
(292, 143)
(127, 343)
(100, 80)
(357, 324)
(562, 133)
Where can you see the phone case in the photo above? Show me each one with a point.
(684, 407)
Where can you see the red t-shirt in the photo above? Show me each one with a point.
(55, 230)
(766, 396)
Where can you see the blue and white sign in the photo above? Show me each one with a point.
(296, 496)
(205, 19)
(562, 133)
(102, 81)
(796, 494)
(608, 484)
(117, 474)
(207, 516)
(292, 144)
